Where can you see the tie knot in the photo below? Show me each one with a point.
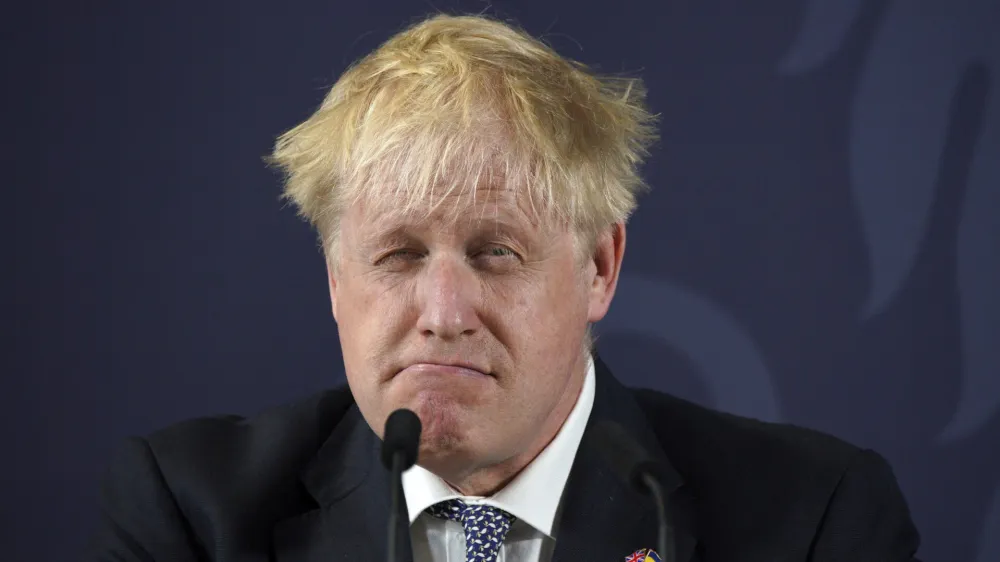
(458, 510)
(485, 526)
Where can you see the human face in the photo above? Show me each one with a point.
(478, 325)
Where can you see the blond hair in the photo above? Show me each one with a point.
(454, 102)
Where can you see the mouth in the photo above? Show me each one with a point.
(446, 369)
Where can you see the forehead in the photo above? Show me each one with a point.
(484, 205)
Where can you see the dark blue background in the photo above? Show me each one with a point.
(822, 245)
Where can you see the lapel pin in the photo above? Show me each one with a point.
(643, 555)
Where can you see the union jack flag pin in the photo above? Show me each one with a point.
(643, 555)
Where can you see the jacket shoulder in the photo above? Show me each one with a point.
(753, 480)
(246, 462)
(694, 435)
(280, 431)
(781, 488)
(174, 493)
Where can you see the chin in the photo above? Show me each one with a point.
(443, 433)
(437, 448)
(449, 456)
(446, 418)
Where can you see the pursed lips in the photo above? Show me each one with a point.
(446, 368)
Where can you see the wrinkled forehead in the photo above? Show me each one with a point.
(490, 203)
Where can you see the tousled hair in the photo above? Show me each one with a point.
(455, 103)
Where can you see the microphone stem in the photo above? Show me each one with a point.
(395, 482)
(663, 540)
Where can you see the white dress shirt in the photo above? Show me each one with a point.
(532, 497)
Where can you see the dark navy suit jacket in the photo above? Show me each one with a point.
(303, 483)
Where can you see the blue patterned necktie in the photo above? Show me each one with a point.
(485, 527)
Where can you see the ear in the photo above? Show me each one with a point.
(607, 261)
(332, 282)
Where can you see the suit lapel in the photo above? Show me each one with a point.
(601, 518)
(352, 490)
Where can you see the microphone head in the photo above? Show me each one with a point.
(626, 457)
(402, 435)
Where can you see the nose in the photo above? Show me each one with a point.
(448, 294)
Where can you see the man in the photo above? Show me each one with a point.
(471, 189)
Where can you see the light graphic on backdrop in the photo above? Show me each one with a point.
(925, 73)
(725, 355)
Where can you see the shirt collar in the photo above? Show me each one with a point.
(533, 495)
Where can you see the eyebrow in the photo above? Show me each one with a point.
(405, 232)
(394, 235)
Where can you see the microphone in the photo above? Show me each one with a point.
(400, 443)
(637, 469)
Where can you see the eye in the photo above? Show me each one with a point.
(397, 257)
(496, 252)
(500, 251)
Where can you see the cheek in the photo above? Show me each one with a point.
(369, 319)
(363, 300)
(371, 326)
(544, 315)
